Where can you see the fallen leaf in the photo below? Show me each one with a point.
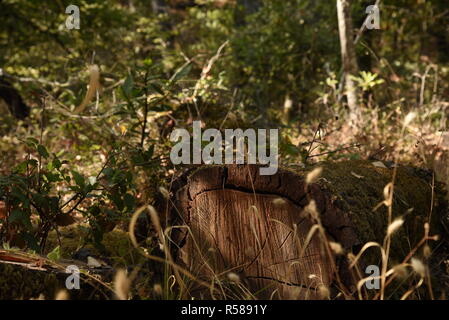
(379, 164)
(93, 263)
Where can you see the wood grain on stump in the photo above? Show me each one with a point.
(256, 226)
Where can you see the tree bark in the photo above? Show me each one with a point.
(349, 59)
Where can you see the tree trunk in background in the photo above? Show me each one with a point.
(258, 226)
(13, 100)
(349, 59)
(158, 6)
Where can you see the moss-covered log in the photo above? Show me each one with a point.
(26, 278)
(257, 226)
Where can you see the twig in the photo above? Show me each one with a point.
(205, 72)
(334, 151)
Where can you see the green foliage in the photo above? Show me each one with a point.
(367, 80)
(42, 193)
(55, 254)
(164, 69)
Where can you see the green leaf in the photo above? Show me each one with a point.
(79, 179)
(16, 215)
(42, 151)
(156, 87)
(20, 216)
(128, 85)
(55, 254)
(56, 163)
(148, 62)
(33, 163)
(149, 153)
(129, 201)
(21, 167)
(31, 242)
(31, 142)
(115, 197)
(40, 200)
(108, 173)
(52, 177)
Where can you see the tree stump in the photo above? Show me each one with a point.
(261, 227)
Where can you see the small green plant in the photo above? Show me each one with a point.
(368, 80)
(43, 193)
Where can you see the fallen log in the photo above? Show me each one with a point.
(24, 277)
(263, 229)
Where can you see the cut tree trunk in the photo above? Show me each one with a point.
(260, 228)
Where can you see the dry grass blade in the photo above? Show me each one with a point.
(132, 225)
(314, 175)
(394, 226)
(364, 248)
(62, 295)
(122, 285)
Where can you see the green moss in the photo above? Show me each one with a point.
(18, 282)
(358, 187)
(118, 246)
